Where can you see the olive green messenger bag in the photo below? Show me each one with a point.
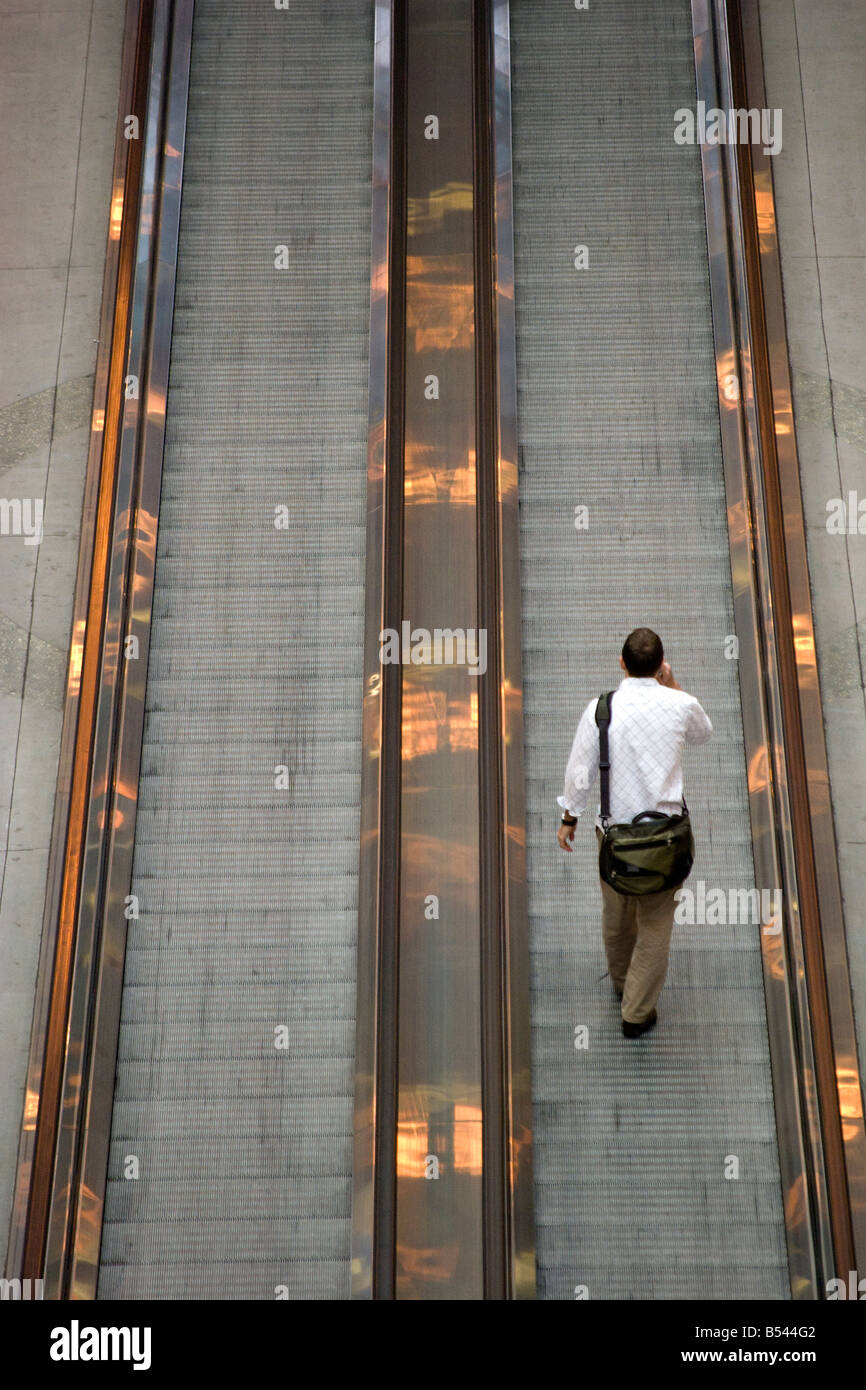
(649, 854)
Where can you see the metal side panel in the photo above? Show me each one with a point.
(246, 876)
(617, 412)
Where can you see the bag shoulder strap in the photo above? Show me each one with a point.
(602, 719)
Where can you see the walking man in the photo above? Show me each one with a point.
(651, 718)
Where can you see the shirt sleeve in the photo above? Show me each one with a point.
(698, 727)
(582, 764)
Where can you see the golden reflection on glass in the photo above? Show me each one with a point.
(124, 520)
(98, 424)
(76, 656)
(424, 721)
(379, 280)
(147, 525)
(116, 216)
(425, 853)
(759, 771)
(804, 642)
(782, 415)
(439, 1262)
(440, 304)
(426, 214)
(416, 1147)
(795, 1202)
(738, 521)
(774, 956)
(155, 404)
(372, 729)
(512, 708)
(730, 387)
(468, 1134)
(142, 584)
(765, 213)
(89, 1228)
(376, 454)
(508, 478)
(413, 1145)
(850, 1099)
(128, 791)
(429, 480)
(31, 1109)
(437, 722)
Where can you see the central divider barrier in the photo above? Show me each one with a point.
(442, 1138)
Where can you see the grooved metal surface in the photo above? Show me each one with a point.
(248, 890)
(617, 412)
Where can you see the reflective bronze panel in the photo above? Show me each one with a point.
(838, 1074)
(804, 963)
(117, 813)
(754, 613)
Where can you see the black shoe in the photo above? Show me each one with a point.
(634, 1030)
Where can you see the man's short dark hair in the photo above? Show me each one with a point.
(643, 652)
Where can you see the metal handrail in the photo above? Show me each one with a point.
(57, 1212)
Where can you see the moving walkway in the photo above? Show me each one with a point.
(236, 1048)
(617, 402)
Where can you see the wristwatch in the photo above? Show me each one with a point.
(568, 820)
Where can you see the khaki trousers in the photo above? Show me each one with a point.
(637, 938)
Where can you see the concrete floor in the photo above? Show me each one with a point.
(59, 75)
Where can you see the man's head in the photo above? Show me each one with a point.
(642, 652)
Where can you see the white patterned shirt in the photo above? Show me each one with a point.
(649, 724)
